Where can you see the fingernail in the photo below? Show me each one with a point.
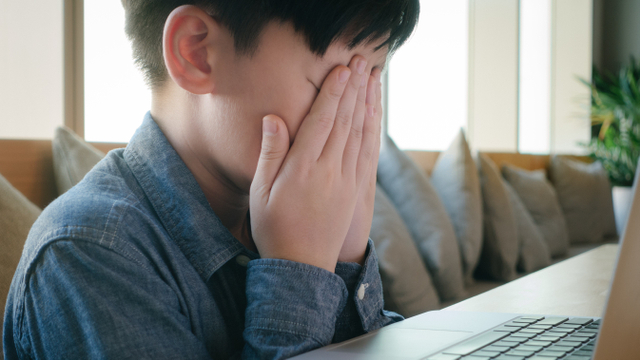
(269, 127)
(361, 65)
(344, 75)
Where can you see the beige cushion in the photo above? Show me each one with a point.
(425, 216)
(533, 251)
(540, 199)
(455, 178)
(500, 248)
(584, 192)
(406, 284)
(17, 214)
(72, 158)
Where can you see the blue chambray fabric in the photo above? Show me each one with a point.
(132, 263)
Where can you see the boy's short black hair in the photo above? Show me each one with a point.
(320, 21)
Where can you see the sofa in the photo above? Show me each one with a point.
(424, 264)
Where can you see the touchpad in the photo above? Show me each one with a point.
(403, 343)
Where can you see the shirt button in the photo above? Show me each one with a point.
(361, 290)
(243, 260)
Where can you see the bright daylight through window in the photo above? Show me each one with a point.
(428, 78)
(115, 95)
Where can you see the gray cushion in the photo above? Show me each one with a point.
(425, 216)
(455, 178)
(406, 284)
(500, 248)
(540, 199)
(17, 214)
(533, 251)
(72, 158)
(584, 192)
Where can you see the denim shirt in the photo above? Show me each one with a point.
(132, 263)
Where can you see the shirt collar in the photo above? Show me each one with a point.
(179, 201)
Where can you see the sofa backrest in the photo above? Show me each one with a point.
(28, 165)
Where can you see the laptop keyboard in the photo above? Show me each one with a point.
(530, 338)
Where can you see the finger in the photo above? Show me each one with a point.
(316, 126)
(371, 132)
(275, 145)
(354, 141)
(335, 146)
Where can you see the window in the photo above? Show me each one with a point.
(428, 78)
(115, 95)
(535, 77)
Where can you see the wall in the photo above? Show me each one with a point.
(31, 68)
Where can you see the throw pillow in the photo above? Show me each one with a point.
(17, 214)
(533, 251)
(455, 178)
(500, 248)
(425, 216)
(406, 285)
(539, 197)
(584, 192)
(72, 158)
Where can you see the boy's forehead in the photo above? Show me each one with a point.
(340, 53)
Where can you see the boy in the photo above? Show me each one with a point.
(235, 223)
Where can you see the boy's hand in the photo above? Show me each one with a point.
(355, 244)
(302, 199)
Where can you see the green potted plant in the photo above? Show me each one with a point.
(615, 112)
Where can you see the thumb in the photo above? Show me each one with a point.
(275, 145)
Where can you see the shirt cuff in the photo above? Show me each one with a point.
(365, 293)
(295, 298)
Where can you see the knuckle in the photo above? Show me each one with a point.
(324, 120)
(343, 118)
(334, 93)
(356, 133)
(270, 152)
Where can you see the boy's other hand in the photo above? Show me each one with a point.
(355, 244)
(302, 199)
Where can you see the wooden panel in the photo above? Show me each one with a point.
(426, 160)
(524, 161)
(28, 166)
(106, 147)
(574, 287)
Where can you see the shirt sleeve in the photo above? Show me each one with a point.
(364, 309)
(293, 308)
(107, 306)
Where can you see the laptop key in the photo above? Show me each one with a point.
(520, 353)
(506, 344)
(507, 329)
(569, 326)
(509, 357)
(538, 343)
(551, 354)
(552, 320)
(475, 343)
(579, 321)
(494, 347)
(569, 343)
(548, 337)
(444, 357)
(540, 327)
(523, 335)
(525, 347)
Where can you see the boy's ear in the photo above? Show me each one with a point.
(188, 44)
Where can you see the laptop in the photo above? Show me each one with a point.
(454, 335)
